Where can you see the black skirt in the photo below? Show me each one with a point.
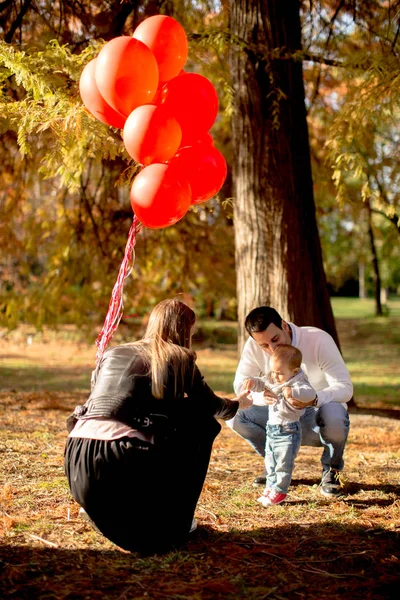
(141, 496)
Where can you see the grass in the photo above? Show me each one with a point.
(307, 548)
(370, 345)
(356, 308)
(371, 349)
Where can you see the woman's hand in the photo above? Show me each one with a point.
(244, 400)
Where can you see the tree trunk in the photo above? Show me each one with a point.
(361, 280)
(278, 251)
(375, 263)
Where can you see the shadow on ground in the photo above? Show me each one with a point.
(307, 561)
(352, 488)
(389, 413)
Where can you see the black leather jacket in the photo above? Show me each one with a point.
(122, 391)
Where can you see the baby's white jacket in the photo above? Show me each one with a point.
(282, 411)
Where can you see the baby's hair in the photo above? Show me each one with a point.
(291, 355)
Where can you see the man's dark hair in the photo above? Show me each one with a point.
(260, 318)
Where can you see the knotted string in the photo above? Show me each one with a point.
(115, 308)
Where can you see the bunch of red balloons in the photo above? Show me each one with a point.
(138, 84)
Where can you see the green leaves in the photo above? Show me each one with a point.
(42, 105)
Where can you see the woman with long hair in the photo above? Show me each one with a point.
(139, 448)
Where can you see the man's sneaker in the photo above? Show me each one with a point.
(331, 486)
(271, 498)
(260, 480)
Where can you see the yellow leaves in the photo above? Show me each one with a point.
(365, 191)
(358, 172)
(7, 522)
(6, 493)
(337, 176)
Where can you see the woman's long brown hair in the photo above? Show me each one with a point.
(169, 335)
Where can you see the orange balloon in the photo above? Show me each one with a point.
(94, 101)
(126, 74)
(167, 39)
(205, 168)
(158, 197)
(151, 135)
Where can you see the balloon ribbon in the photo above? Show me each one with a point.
(115, 308)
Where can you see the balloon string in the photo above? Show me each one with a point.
(115, 308)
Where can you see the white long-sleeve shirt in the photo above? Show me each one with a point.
(322, 363)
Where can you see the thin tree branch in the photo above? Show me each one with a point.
(17, 23)
(395, 219)
(280, 54)
(5, 4)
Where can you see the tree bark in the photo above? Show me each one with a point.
(375, 264)
(361, 280)
(278, 251)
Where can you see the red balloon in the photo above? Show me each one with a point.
(192, 100)
(126, 74)
(167, 39)
(160, 196)
(157, 97)
(151, 135)
(204, 167)
(93, 100)
(205, 138)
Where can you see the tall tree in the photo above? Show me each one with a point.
(278, 252)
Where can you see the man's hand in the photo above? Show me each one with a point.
(244, 400)
(269, 396)
(248, 385)
(287, 392)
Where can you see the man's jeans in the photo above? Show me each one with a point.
(327, 426)
(283, 443)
